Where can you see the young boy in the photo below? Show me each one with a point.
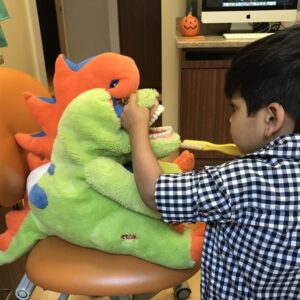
(251, 205)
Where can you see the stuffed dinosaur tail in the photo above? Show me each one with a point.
(21, 234)
(14, 220)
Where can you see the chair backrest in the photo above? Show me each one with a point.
(15, 117)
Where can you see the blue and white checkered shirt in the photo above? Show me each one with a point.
(252, 209)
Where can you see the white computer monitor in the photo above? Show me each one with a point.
(248, 11)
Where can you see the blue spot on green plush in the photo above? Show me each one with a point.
(51, 169)
(38, 197)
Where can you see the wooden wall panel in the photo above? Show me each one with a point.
(140, 38)
(204, 109)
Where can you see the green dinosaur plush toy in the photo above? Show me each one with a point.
(87, 194)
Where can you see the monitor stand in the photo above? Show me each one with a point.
(241, 27)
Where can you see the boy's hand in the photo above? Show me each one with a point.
(133, 115)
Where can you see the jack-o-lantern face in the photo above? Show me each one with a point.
(189, 25)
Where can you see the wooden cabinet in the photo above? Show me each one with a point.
(204, 110)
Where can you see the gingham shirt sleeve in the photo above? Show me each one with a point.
(191, 197)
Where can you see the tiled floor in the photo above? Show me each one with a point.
(39, 294)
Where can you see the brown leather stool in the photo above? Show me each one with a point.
(59, 266)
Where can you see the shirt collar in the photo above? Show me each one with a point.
(287, 146)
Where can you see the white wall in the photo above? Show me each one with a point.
(98, 19)
(170, 10)
(22, 31)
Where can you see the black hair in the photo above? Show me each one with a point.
(266, 71)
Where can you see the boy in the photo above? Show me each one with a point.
(251, 205)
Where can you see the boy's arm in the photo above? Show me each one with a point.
(146, 168)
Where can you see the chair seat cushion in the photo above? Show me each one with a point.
(57, 265)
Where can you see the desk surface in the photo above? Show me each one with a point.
(212, 41)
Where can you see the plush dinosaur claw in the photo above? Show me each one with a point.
(185, 161)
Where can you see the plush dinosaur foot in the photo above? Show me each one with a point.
(198, 232)
(197, 240)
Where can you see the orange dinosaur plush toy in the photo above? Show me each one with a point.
(69, 81)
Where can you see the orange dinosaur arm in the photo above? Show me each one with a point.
(185, 161)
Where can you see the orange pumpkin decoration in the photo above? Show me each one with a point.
(189, 25)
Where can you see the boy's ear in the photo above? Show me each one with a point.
(274, 119)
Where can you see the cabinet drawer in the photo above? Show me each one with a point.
(206, 58)
(206, 64)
